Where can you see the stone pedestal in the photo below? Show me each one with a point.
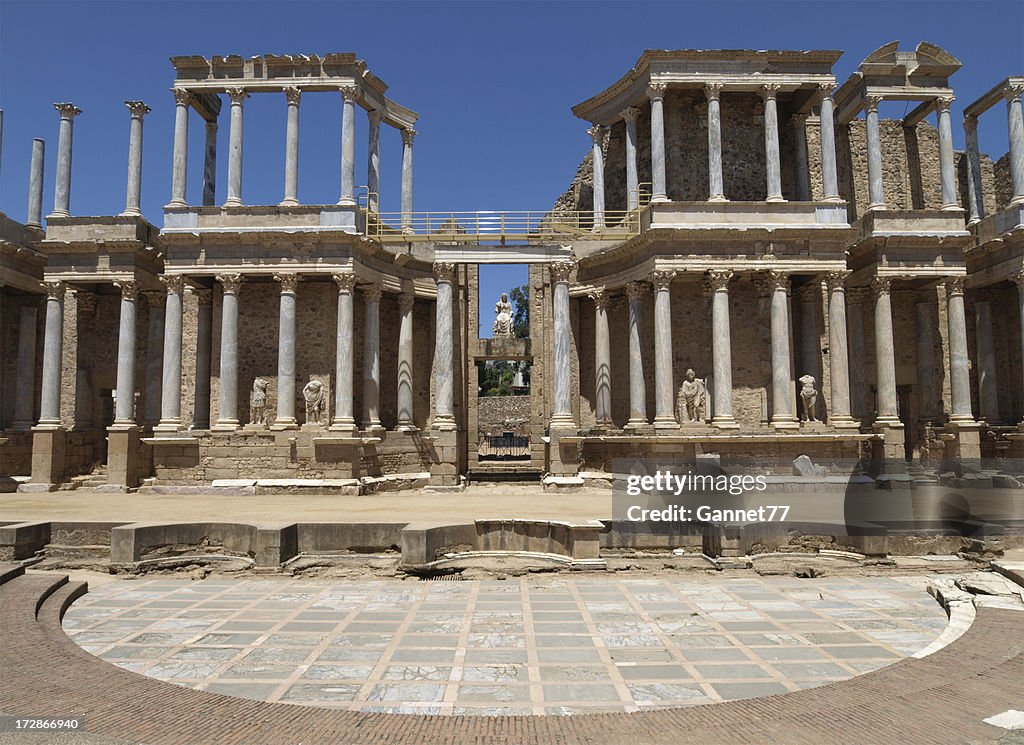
(123, 456)
(563, 458)
(48, 444)
(965, 445)
(444, 466)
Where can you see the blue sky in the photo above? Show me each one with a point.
(493, 83)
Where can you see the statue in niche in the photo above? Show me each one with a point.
(695, 396)
(503, 316)
(808, 397)
(258, 402)
(313, 393)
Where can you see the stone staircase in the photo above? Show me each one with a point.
(97, 477)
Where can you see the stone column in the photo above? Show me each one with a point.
(444, 372)
(716, 189)
(285, 417)
(829, 173)
(406, 302)
(227, 418)
(803, 177)
(838, 353)
(238, 96)
(959, 365)
(35, 185)
(721, 349)
(975, 192)
(53, 346)
(783, 416)
(179, 158)
(1018, 279)
(210, 165)
(204, 356)
(855, 338)
(928, 399)
(656, 92)
(946, 168)
(373, 161)
(124, 408)
(170, 393)
(629, 116)
(773, 161)
(348, 145)
(1015, 125)
(596, 133)
(344, 411)
(988, 387)
(876, 196)
(561, 410)
(25, 386)
(134, 188)
(602, 361)
(664, 385)
(153, 385)
(371, 358)
(637, 386)
(885, 354)
(62, 186)
(408, 134)
(293, 95)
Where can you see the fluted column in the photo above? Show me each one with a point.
(1018, 279)
(629, 116)
(637, 385)
(237, 96)
(988, 387)
(773, 161)
(444, 374)
(946, 168)
(959, 364)
(371, 358)
(876, 194)
(664, 393)
(170, 393)
(227, 418)
(134, 188)
(656, 92)
(602, 361)
(210, 165)
(975, 192)
(408, 135)
(406, 303)
(62, 186)
(855, 297)
(561, 411)
(204, 357)
(716, 188)
(25, 385)
(293, 95)
(348, 144)
(840, 414)
(597, 138)
(783, 415)
(373, 160)
(1015, 125)
(885, 354)
(803, 177)
(829, 172)
(35, 185)
(53, 348)
(344, 411)
(152, 386)
(124, 409)
(179, 158)
(285, 417)
(721, 349)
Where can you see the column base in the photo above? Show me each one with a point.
(717, 198)
(284, 423)
(233, 202)
(887, 422)
(225, 425)
(724, 422)
(637, 424)
(444, 424)
(288, 202)
(775, 199)
(346, 425)
(562, 421)
(844, 422)
(606, 424)
(346, 202)
(787, 422)
(168, 426)
(876, 206)
(1017, 199)
(951, 207)
(134, 212)
(962, 420)
(833, 199)
(665, 423)
(659, 198)
(58, 213)
(407, 427)
(176, 204)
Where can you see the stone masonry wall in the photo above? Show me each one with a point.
(494, 411)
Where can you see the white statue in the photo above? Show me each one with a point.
(808, 396)
(503, 319)
(258, 402)
(695, 396)
(313, 393)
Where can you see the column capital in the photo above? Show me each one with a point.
(630, 114)
(349, 93)
(769, 91)
(601, 298)
(719, 279)
(713, 91)
(970, 121)
(825, 90)
(656, 90)
(137, 108)
(596, 133)
(1013, 92)
(955, 285)
(293, 94)
(175, 283)
(776, 280)
(289, 282)
(67, 110)
(661, 280)
(560, 270)
(182, 97)
(408, 135)
(54, 289)
(871, 103)
(237, 95)
(881, 285)
(154, 298)
(942, 103)
(129, 289)
(371, 292)
(836, 280)
(375, 117)
(346, 282)
(444, 271)
(406, 300)
(230, 283)
(636, 290)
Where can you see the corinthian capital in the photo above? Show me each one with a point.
(769, 91)
(444, 271)
(955, 285)
(636, 290)
(825, 90)
(836, 280)
(600, 298)
(67, 110)
(719, 279)
(942, 103)
(776, 280)
(54, 289)
(871, 103)
(237, 95)
(175, 283)
(349, 93)
(712, 91)
(346, 281)
(560, 270)
(129, 289)
(408, 135)
(137, 108)
(881, 285)
(182, 97)
(596, 133)
(372, 292)
(656, 90)
(289, 283)
(630, 115)
(661, 280)
(293, 94)
(1013, 92)
(230, 282)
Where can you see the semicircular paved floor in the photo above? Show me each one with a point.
(534, 645)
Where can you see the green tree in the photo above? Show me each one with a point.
(520, 297)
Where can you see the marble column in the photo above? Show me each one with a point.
(406, 303)
(773, 161)
(210, 165)
(35, 185)
(656, 92)
(803, 177)
(53, 347)
(371, 358)
(840, 412)
(204, 357)
(344, 410)
(62, 186)
(629, 116)
(602, 361)
(928, 399)
(876, 195)
(153, 385)
(25, 384)
(237, 96)
(408, 135)
(716, 189)
(179, 158)
(1015, 125)
(285, 416)
(885, 354)
(134, 188)
(124, 408)
(721, 349)
(293, 95)
(374, 118)
(637, 385)
(227, 418)
(348, 144)
(444, 372)
(170, 393)
(959, 364)
(829, 172)
(855, 338)
(1018, 279)
(596, 133)
(664, 385)
(561, 410)
(783, 414)
(946, 168)
(988, 387)
(975, 192)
